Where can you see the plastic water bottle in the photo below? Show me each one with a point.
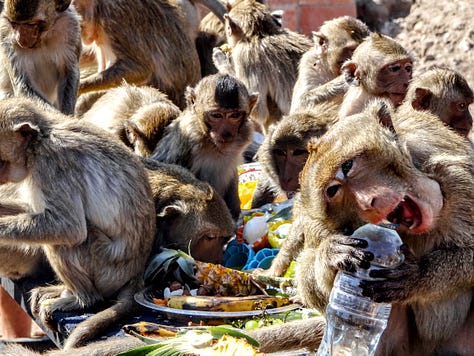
(355, 323)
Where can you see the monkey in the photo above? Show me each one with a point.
(136, 115)
(156, 51)
(210, 135)
(379, 68)
(90, 209)
(40, 50)
(190, 215)
(445, 93)
(212, 34)
(411, 170)
(283, 154)
(334, 43)
(264, 56)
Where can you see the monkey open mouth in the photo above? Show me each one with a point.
(407, 213)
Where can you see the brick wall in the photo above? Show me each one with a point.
(305, 16)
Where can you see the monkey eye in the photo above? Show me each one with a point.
(346, 167)
(332, 190)
(216, 115)
(462, 106)
(394, 67)
(409, 68)
(299, 152)
(279, 152)
(236, 115)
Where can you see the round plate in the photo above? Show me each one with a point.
(145, 298)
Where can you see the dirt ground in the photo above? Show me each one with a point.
(436, 32)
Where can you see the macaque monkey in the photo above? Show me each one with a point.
(155, 51)
(445, 93)
(283, 154)
(379, 68)
(264, 56)
(412, 171)
(137, 116)
(90, 209)
(190, 215)
(40, 49)
(334, 43)
(211, 134)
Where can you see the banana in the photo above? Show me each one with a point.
(226, 304)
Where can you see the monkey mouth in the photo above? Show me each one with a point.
(407, 213)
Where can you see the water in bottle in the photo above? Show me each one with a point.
(355, 323)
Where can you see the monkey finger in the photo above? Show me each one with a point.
(384, 291)
(350, 241)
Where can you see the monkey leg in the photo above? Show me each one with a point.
(98, 323)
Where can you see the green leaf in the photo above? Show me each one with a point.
(158, 260)
(139, 351)
(218, 331)
(187, 266)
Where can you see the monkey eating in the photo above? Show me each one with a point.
(90, 209)
(211, 134)
(40, 49)
(412, 171)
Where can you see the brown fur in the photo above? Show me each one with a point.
(445, 93)
(334, 43)
(137, 116)
(190, 216)
(89, 208)
(264, 56)
(142, 53)
(40, 60)
(211, 150)
(379, 68)
(360, 171)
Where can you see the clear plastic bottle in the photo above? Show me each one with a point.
(355, 323)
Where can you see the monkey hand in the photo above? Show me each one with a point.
(347, 253)
(395, 284)
(222, 61)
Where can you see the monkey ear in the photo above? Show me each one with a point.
(190, 96)
(320, 42)
(231, 28)
(26, 133)
(62, 5)
(169, 213)
(422, 99)
(384, 115)
(132, 131)
(351, 74)
(277, 16)
(253, 98)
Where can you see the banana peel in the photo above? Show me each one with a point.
(227, 304)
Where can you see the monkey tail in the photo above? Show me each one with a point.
(105, 319)
(299, 334)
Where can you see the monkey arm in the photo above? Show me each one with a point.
(67, 91)
(132, 72)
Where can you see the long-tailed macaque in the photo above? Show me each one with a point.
(89, 206)
(445, 93)
(155, 51)
(190, 215)
(40, 46)
(264, 56)
(211, 134)
(334, 43)
(379, 68)
(136, 115)
(283, 154)
(412, 171)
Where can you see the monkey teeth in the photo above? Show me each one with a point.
(407, 213)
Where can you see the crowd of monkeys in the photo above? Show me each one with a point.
(122, 123)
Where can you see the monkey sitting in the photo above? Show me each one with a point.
(89, 207)
(211, 134)
(410, 170)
